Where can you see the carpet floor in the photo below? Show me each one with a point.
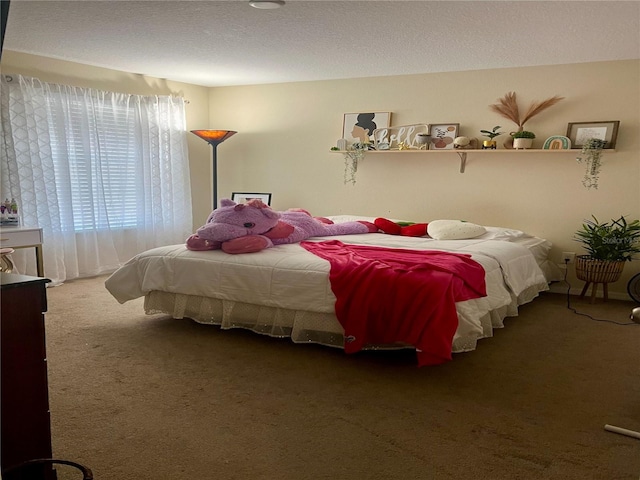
(151, 397)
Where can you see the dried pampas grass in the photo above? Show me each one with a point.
(537, 107)
(508, 108)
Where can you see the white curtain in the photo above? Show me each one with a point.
(104, 174)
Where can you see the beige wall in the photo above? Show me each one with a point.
(286, 131)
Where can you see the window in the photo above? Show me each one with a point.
(101, 165)
(104, 174)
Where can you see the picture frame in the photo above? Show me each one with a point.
(243, 197)
(356, 125)
(443, 135)
(579, 132)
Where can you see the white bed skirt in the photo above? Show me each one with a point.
(301, 326)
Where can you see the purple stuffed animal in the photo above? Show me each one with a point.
(254, 226)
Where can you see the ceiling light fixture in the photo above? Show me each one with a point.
(266, 4)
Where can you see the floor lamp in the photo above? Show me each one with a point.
(214, 138)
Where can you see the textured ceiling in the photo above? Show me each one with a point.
(216, 43)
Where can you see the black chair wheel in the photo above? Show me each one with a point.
(25, 470)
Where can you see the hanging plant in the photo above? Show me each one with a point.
(352, 156)
(591, 156)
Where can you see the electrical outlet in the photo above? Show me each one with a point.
(568, 257)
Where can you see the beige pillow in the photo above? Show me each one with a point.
(454, 230)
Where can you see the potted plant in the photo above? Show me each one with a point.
(609, 246)
(591, 156)
(523, 139)
(491, 134)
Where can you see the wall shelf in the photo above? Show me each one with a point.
(462, 153)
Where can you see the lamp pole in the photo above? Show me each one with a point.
(214, 138)
(214, 173)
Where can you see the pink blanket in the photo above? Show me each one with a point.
(389, 295)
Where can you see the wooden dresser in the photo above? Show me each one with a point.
(24, 414)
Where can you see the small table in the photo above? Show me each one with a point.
(24, 237)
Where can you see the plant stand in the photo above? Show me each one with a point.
(594, 271)
(594, 290)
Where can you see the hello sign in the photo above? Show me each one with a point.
(390, 138)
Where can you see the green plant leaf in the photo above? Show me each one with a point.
(617, 239)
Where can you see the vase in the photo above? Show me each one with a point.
(423, 140)
(489, 144)
(508, 143)
(522, 143)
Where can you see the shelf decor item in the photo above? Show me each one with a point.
(423, 140)
(523, 139)
(507, 107)
(465, 143)
(400, 137)
(609, 246)
(443, 135)
(591, 156)
(491, 134)
(580, 132)
(359, 127)
(557, 142)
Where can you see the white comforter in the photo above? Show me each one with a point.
(290, 277)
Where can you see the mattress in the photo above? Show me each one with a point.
(285, 291)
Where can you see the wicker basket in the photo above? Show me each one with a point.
(598, 271)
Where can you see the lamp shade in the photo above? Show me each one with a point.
(214, 136)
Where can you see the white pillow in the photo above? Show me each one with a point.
(454, 230)
(500, 233)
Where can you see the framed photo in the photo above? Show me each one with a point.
(580, 132)
(243, 197)
(443, 135)
(359, 127)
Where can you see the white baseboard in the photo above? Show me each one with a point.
(561, 287)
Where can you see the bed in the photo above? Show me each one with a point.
(285, 291)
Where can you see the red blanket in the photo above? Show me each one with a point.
(389, 295)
